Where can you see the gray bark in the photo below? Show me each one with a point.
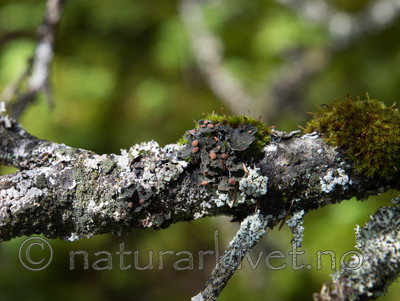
(71, 193)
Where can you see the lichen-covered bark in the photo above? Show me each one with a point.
(251, 230)
(72, 193)
(370, 276)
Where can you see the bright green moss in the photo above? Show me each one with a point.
(182, 141)
(367, 131)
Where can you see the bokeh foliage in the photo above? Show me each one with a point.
(124, 72)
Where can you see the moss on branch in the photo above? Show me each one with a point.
(367, 131)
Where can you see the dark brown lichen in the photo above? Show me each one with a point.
(222, 144)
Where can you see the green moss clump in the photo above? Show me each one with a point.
(367, 131)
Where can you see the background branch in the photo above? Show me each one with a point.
(344, 27)
(208, 51)
(38, 69)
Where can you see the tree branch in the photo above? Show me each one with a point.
(71, 193)
(346, 28)
(38, 69)
(252, 229)
(208, 52)
(369, 277)
(150, 186)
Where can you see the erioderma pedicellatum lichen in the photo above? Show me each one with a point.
(224, 146)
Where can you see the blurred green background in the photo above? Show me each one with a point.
(126, 71)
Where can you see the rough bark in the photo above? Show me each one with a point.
(71, 193)
(370, 275)
(75, 193)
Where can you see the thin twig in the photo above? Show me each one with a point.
(38, 69)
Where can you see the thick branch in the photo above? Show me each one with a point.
(72, 193)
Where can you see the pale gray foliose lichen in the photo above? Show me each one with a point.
(296, 226)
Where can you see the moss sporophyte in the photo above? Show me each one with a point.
(367, 131)
(223, 145)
